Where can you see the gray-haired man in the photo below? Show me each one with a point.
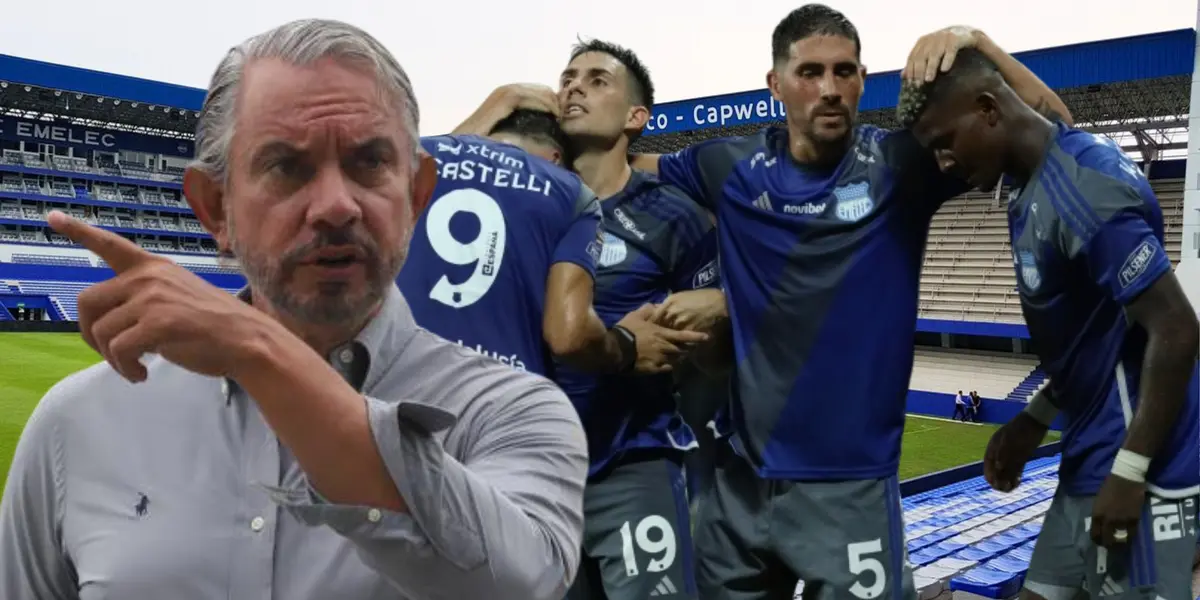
(244, 463)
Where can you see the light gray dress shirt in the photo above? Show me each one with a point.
(176, 489)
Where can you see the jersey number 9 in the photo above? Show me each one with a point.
(486, 251)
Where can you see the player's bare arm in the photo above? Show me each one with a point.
(935, 52)
(695, 310)
(702, 310)
(715, 357)
(645, 162)
(154, 306)
(573, 330)
(1012, 445)
(503, 101)
(1169, 320)
(1174, 337)
(576, 334)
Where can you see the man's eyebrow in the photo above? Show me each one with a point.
(380, 144)
(592, 72)
(271, 150)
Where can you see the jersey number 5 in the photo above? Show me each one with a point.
(486, 251)
(866, 568)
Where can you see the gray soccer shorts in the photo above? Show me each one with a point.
(756, 538)
(637, 540)
(1155, 564)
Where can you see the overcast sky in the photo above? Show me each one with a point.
(457, 51)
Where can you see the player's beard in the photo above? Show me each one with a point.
(827, 137)
(329, 305)
(831, 146)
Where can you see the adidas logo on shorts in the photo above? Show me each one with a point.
(664, 588)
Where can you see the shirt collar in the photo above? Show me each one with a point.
(363, 361)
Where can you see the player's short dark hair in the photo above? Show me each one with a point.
(807, 21)
(536, 125)
(970, 65)
(642, 88)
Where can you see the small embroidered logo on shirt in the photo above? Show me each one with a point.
(142, 506)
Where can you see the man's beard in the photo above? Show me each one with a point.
(331, 304)
(826, 137)
(831, 147)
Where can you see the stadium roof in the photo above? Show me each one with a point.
(40, 90)
(1137, 87)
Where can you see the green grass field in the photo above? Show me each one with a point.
(32, 362)
(29, 364)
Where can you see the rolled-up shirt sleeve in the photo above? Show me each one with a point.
(504, 521)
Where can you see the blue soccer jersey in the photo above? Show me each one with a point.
(482, 250)
(1087, 238)
(821, 268)
(656, 241)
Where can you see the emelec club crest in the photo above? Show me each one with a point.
(853, 201)
(614, 250)
(1030, 276)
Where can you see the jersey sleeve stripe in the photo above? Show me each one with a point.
(677, 217)
(1085, 209)
(1068, 210)
(684, 223)
(1063, 208)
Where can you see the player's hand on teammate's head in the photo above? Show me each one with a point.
(1009, 449)
(658, 348)
(935, 52)
(531, 96)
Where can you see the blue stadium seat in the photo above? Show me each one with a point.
(968, 537)
(63, 293)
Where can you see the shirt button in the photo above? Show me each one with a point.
(374, 515)
(346, 356)
(257, 524)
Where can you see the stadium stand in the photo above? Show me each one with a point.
(1028, 386)
(112, 149)
(992, 374)
(968, 273)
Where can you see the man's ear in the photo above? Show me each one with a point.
(424, 181)
(637, 118)
(989, 106)
(206, 196)
(773, 85)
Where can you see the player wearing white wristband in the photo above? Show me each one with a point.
(1112, 327)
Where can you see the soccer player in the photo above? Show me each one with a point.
(822, 227)
(657, 241)
(1112, 326)
(637, 540)
(502, 261)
